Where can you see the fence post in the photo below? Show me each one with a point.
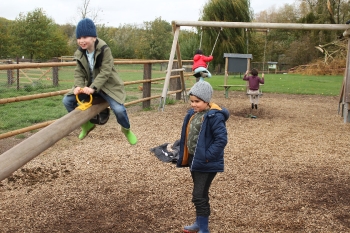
(18, 86)
(55, 74)
(9, 74)
(147, 75)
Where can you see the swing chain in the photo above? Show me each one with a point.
(215, 42)
(200, 43)
(267, 30)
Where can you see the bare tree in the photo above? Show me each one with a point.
(86, 12)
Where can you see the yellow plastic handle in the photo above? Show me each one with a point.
(84, 106)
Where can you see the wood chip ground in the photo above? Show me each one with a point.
(288, 170)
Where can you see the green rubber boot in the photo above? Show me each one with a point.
(85, 129)
(130, 136)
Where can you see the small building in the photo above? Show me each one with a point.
(272, 66)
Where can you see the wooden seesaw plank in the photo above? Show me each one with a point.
(28, 149)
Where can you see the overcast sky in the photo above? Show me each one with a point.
(117, 12)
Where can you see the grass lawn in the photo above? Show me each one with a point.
(22, 114)
(287, 84)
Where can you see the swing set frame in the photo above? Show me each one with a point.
(344, 100)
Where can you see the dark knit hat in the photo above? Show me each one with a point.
(203, 90)
(86, 27)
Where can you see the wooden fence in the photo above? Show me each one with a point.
(175, 85)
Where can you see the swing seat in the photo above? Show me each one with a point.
(260, 93)
(260, 90)
(201, 74)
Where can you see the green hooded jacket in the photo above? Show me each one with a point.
(105, 79)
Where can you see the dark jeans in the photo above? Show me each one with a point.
(118, 109)
(200, 194)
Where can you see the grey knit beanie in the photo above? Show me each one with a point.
(202, 90)
(86, 27)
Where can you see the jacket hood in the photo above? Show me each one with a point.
(214, 109)
(196, 57)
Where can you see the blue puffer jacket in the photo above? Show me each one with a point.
(212, 139)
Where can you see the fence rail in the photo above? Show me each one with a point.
(175, 86)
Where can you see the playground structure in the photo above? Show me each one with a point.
(344, 99)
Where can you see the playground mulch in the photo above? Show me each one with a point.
(287, 170)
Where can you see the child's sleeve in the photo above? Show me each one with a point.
(262, 80)
(208, 59)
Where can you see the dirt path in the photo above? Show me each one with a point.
(288, 170)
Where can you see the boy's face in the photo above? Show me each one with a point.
(87, 42)
(197, 104)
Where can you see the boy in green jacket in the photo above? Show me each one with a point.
(95, 74)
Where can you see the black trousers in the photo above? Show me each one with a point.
(200, 194)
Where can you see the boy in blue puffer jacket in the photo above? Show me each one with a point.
(202, 143)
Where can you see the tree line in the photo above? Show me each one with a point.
(37, 37)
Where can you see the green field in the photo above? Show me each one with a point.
(22, 114)
(288, 84)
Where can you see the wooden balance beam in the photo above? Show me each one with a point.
(28, 149)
